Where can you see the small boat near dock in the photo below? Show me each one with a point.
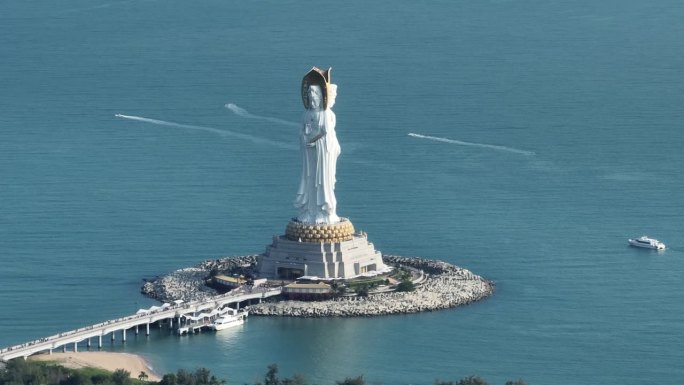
(646, 242)
(229, 319)
(217, 319)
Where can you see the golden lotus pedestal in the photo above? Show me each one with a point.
(320, 233)
(319, 250)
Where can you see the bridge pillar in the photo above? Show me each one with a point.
(88, 344)
(237, 305)
(50, 352)
(148, 329)
(123, 335)
(99, 341)
(171, 322)
(136, 330)
(75, 347)
(113, 335)
(64, 349)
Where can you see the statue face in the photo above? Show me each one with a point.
(315, 97)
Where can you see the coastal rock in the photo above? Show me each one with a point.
(189, 284)
(443, 286)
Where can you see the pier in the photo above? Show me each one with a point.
(179, 311)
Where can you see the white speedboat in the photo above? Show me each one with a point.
(229, 319)
(648, 243)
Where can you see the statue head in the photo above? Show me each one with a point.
(320, 78)
(315, 97)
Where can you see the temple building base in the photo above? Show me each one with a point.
(325, 251)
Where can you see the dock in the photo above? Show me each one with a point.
(181, 312)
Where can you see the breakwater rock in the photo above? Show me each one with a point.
(189, 284)
(441, 286)
(444, 286)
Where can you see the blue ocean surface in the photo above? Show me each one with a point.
(142, 136)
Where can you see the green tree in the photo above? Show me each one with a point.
(143, 376)
(352, 381)
(297, 379)
(362, 291)
(213, 272)
(215, 381)
(20, 372)
(406, 285)
(338, 288)
(201, 376)
(183, 377)
(472, 380)
(169, 379)
(271, 377)
(121, 377)
(101, 379)
(77, 378)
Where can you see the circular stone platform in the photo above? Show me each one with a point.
(327, 233)
(444, 286)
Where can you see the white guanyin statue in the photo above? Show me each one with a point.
(319, 149)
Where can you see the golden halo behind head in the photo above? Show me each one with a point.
(319, 77)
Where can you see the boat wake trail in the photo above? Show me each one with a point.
(223, 133)
(98, 6)
(243, 113)
(481, 145)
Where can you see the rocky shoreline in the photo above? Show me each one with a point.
(188, 284)
(444, 286)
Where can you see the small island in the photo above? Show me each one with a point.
(415, 285)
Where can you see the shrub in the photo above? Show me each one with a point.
(406, 285)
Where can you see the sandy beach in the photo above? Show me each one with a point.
(105, 360)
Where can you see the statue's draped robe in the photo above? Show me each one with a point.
(316, 196)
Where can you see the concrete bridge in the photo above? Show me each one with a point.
(167, 312)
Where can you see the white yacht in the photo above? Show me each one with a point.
(647, 242)
(229, 319)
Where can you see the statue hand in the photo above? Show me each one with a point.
(316, 138)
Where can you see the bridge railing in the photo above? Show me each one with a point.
(110, 326)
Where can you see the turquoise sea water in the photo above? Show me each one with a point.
(558, 131)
